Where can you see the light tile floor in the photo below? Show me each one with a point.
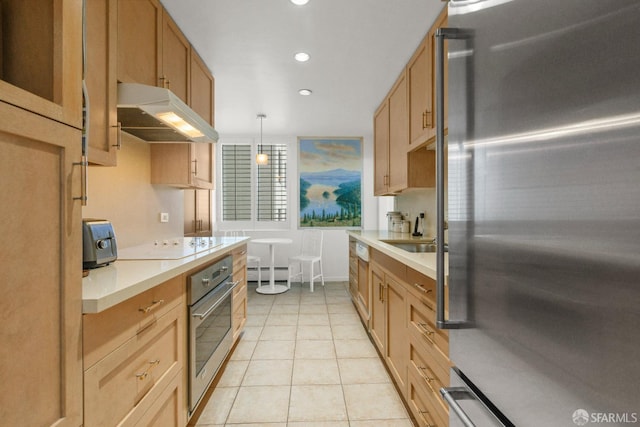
(304, 360)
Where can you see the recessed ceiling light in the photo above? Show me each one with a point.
(304, 92)
(300, 2)
(301, 56)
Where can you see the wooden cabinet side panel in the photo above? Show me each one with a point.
(41, 308)
(139, 47)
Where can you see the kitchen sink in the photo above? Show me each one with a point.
(423, 247)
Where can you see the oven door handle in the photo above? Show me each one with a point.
(218, 302)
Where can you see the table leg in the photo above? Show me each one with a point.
(272, 288)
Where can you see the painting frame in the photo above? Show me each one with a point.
(330, 182)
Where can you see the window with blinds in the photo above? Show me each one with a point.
(269, 189)
(236, 182)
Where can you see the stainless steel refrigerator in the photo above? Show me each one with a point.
(543, 206)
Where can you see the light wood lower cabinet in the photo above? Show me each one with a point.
(239, 298)
(135, 359)
(402, 326)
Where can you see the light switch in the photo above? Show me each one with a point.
(164, 216)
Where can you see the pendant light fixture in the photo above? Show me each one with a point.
(261, 158)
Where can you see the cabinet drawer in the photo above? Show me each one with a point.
(422, 327)
(123, 384)
(167, 410)
(239, 257)
(431, 376)
(423, 287)
(104, 332)
(421, 404)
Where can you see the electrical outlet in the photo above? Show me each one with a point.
(421, 214)
(164, 216)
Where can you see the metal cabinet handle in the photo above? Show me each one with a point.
(426, 422)
(195, 167)
(118, 143)
(441, 35)
(84, 165)
(426, 119)
(153, 306)
(426, 332)
(422, 289)
(451, 395)
(145, 374)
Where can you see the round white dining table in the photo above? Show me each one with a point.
(272, 288)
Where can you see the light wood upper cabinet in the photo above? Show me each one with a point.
(139, 41)
(419, 70)
(398, 135)
(40, 58)
(101, 42)
(422, 87)
(381, 150)
(182, 165)
(202, 88)
(405, 122)
(197, 213)
(175, 59)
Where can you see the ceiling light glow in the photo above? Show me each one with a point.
(301, 56)
(305, 92)
(300, 2)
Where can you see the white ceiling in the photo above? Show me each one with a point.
(358, 48)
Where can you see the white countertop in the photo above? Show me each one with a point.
(107, 286)
(424, 263)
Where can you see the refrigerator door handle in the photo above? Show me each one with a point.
(451, 395)
(441, 35)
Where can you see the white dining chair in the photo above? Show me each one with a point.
(311, 254)
(253, 261)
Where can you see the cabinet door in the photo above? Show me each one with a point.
(421, 114)
(175, 59)
(139, 35)
(101, 80)
(41, 58)
(397, 345)
(363, 289)
(41, 247)
(398, 135)
(202, 160)
(190, 213)
(203, 213)
(381, 150)
(202, 88)
(377, 323)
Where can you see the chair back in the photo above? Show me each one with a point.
(312, 242)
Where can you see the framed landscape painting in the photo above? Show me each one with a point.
(330, 174)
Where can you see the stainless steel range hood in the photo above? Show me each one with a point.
(155, 114)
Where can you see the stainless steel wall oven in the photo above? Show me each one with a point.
(210, 336)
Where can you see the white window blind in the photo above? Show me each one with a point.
(268, 190)
(236, 182)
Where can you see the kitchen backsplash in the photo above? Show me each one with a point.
(413, 201)
(123, 195)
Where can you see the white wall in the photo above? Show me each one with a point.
(124, 196)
